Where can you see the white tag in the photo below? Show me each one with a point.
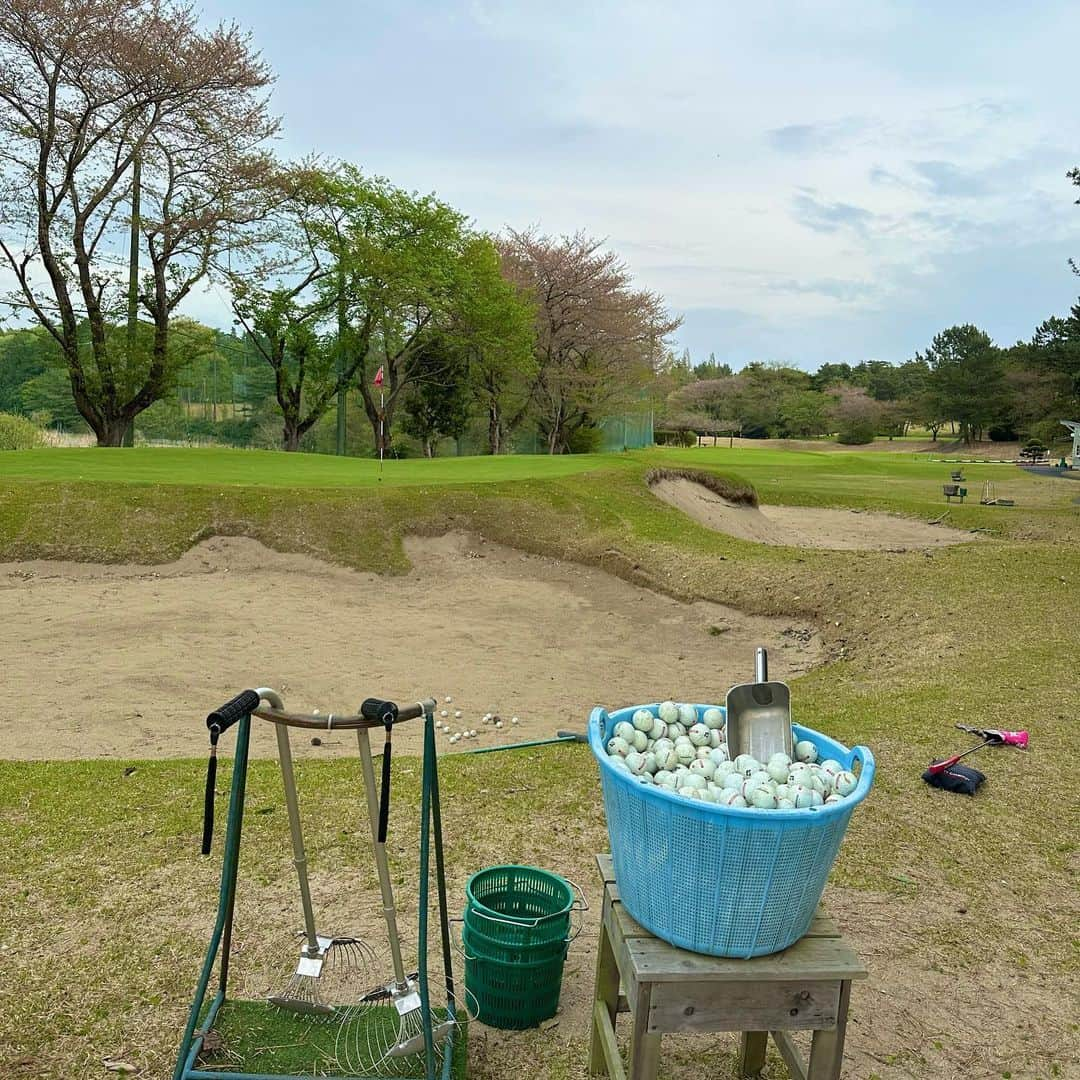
(407, 1003)
(311, 966)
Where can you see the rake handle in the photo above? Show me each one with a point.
(223, 718)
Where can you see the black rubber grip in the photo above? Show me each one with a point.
(208, 805)
(242, 705)
(376, 709)
(384, 794)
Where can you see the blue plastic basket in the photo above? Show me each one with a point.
(724, 881)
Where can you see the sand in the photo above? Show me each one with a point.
(805, 526)
(125, 661)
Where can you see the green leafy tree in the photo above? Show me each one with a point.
(437, 404)
(966, 378)
(24, 354)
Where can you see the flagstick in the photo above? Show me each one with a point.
(382, 420)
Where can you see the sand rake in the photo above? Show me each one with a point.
(331, 970)
(386, 1026)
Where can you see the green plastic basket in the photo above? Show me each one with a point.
(519, 906)
(492, 948)
(512, 996)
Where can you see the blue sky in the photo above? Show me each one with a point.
(806, 182)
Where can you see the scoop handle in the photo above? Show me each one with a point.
(761, 665)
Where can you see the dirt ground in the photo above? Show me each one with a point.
(804, 526)
(125, 661)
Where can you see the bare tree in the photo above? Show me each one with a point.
(598, 339)
(94, 93)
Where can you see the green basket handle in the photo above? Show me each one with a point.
(580, 905)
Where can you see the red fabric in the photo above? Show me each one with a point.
(379, 377)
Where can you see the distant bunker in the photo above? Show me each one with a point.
(717, 505)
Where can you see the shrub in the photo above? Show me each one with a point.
(18, 433)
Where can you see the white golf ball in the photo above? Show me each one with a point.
(830, 767)
(845, 783)
(750, 784)
(472, 734)
(784, 804)
(731, 798)
(704, 766)
(498, 723)
(658, 729)
(747, 764)
(448, 699)
(733, 781)
(640, 740)
(675, 729)
(685, 752)
(618, 747)
(777, 770)
(782, 791)
(624, 730)
(651, 765)
(457, 714)
(763, 799)
(703, 751)
(635, 762)
(808, 797)
(666, 779)
(719, 754)
(669, 712)
(713, 718)
(443, 712)
(805, 750)
(513, 719)
(687, 715)
(454, 738)
(643, 720)
(725, 768)
(692, 780)
(663, 745)
(833, 798)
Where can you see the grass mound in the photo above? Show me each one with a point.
(736, 491)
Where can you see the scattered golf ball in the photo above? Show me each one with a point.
(472, 734)
(448, 699)
(498, 723)
(513, 719)
(444, 713)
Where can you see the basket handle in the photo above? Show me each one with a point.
(865, 758)
(459, 944)
(580, 905)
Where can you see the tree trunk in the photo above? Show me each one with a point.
(112, 432)
(429, 449)
(290, 436)
(494, 428)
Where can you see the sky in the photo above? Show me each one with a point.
(834, 180)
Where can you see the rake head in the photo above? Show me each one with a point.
(331, 973)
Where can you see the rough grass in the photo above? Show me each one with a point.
(727, 488)
(106, 905)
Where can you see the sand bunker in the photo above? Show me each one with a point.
(125, 661)
(804, 526)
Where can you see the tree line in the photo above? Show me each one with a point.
(961, 379)
(127, 127)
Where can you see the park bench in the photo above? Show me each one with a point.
(953, 491)
(957, 476)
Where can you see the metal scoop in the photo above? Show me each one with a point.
(759, 715)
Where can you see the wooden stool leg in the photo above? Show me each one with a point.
(607, 997)
(752, 1047)
(644, 1048)
(827, 1048)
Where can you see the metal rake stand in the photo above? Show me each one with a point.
(203, 1012)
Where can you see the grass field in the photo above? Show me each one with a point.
(966, 910)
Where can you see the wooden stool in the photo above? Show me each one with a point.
(667, 989)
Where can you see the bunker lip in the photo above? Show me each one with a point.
(496, 629)
(804, 526)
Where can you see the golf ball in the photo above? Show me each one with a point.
(731, 798)
(643, 720)
(669, 712)
(640, 740)
(713, 718)
(443, 712)
(704, 766)
(687, 715)
(691, 780)
(845, 783)
(747, 764)
(457, 714)
(763, 799)
(513, 719)
(624, 731)
(665, 779)
(685, 752)
(617, 747)
(805, 750)
(635, 762)
(658, 729)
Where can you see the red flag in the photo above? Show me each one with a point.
(379, 377)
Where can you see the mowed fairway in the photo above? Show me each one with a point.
(965, 910)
